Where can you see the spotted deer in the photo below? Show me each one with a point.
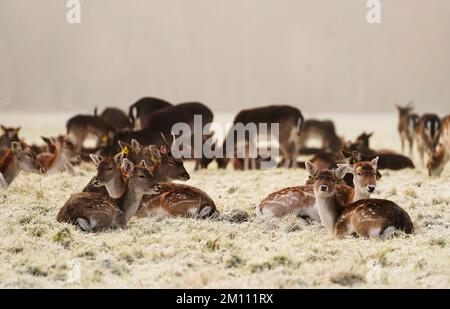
(19, 157)
(407, 122)
(373, 218)
(439, 157)
(302, 202)
(427, 134)
(95, 212)
(60, 160)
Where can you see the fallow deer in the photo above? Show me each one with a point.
(322, 129)
(427, 134)
(441, 155)
(407, 126)
(59, 160)
(145, 107)
(290, 121)
(19, 157)
(116, 117)
(301, 201)
(374, 218)
(9, 135)
(81, 126)
(178, 200)
(94, 212)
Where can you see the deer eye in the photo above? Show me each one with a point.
(142, 176)
(360, 174)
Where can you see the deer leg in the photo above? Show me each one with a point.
(402, 141)
(69, 168)
(84, 224)
(197, 164)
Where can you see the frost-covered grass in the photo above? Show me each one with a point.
(36, 251)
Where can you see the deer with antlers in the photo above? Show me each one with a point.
(373, 218)
(441, 155)
(95, 212)
(19, 157)
(59, 160)
(302, 202)
(407, 122)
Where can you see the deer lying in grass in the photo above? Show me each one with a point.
(19, 157)
(441, 155)
(301, 201)
(407, 126)
(427, 134)
(374, 218)
(60, 160)
(95, 212)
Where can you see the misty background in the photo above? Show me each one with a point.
(318, 55)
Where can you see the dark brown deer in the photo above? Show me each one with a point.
(116, 117)
(19, 157)
(323, 130)
(59, 160)
(81, 126)
(9, 135)
(301, 201)
(145, 107)
(95, 212)
(427, 134)
(407, 126)
(290, 121)
(374, 218)
(439, 157)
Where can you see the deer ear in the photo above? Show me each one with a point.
(15, 146)
(370, 134)
(118, 158)
(349, 168)
(374, 162)
(341, 171)
(135, 146)
(155, 154)
(127, 166)
(163, 150)
(18, 129)
(3, 127)
(96, 159)
(311, 168)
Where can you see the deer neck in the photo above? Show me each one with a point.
(360, 194)
(57, 162)
(9, 167)
(129, 205)
(116, 187)
(328, 211)
(159, 174)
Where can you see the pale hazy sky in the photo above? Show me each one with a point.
(318, 55)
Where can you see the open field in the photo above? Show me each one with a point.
(36, 251)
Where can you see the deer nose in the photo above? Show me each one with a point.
(96, 182)
(42, 170)
(158, 189)
(323, 188)
(371, 188)
(186, 176)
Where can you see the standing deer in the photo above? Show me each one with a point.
(302, 202)
(19, 157)
(441, 155)
(374, 218)
(145, 107)
(290, 121)
(59, 160)
(81, 126)
(407, 126)
(427, 134)
(322, 129)
(95, 212)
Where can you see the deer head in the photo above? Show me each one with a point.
(436, 160)
(108, 169)
(140, 179)
(364, 175)
(26, 158)
(325, 180)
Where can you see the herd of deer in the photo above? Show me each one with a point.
(135, 167)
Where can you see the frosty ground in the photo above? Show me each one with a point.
(36, 251)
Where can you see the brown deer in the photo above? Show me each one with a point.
(81, 126)
(374, 218)
(19, 157)
(427, 134)
(290, 121)
(95, 212)
(145, 107)
(59, 160)
(441, 155)
(407, 122)
(178, 200)
(301, 200)
(116, 117)
(322, 129)
(9, 135)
